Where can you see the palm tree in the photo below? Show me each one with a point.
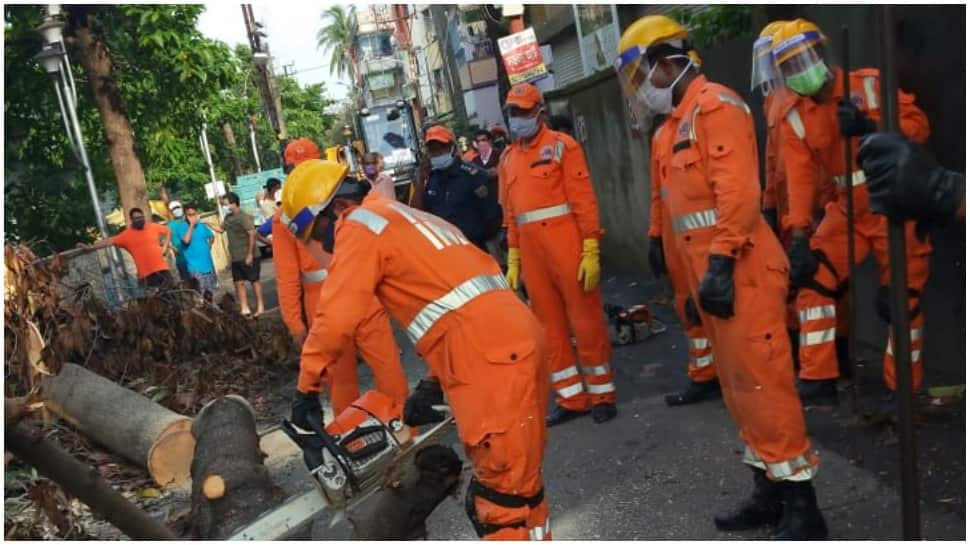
(338, 36)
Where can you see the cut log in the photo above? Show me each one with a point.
(412, 490)
(227, 451)
(83, 482)
(126, 422)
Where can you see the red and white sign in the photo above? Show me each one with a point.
(522, 57)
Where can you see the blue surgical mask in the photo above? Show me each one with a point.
(370, 170)
(441, 162)
(524, 127)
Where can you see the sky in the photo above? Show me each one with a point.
(291, 28)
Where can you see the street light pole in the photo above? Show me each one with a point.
(53, 58)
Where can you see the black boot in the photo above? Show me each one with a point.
(817, 393)
(762, 508)
(802, 519)
(603, 412)
(695, 392)
(560, 415)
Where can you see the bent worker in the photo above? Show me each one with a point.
(824, 115)
(737, 270)
(553, 234)
(450, 295)
(301, 270)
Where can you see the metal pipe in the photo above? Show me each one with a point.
(908, 468)
(204, 141)
(76, 136)
(850, 218)
(252, 141)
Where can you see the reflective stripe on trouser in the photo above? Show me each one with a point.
(374, 339)
(817, 311)
(799, 468)
(550, 258)
(916, 354)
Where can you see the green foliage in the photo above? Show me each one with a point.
(715, 23)
(169, 76)
(338, 37)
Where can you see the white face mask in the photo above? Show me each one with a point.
(660, 101)
(178, 213)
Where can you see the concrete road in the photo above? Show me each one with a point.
(662, 473)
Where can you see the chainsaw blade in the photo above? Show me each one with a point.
(283, 521)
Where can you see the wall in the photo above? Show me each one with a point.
(483, 107)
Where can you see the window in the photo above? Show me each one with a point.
(375, 45)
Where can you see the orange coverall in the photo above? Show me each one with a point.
(550, 209)
(812, 140)
(713, 203)
(300, 276)
(450, 296)
(700, 366)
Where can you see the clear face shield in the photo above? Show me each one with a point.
(764, 73)
(635, 68)
(802, 63)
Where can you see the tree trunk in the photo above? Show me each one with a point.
(127, 423)
(230, 484)
(237, 169)
(117, 129)
(83, 482)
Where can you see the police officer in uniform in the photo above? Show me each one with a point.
(458, 192)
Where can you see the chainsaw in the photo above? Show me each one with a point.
(347, 463)
(629, 325)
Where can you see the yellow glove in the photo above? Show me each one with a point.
(589, 267)
(514, 262)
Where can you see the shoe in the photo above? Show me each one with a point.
(802, 519)
(695, 392)
(604, 412)
(818, 393)
(560, 415)
(762, 508)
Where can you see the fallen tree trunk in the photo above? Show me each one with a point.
(230, 484)
(83, 482)
(126, 422)
(411, 492)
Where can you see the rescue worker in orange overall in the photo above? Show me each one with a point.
(664, 259)
(736, 269)
(778, 100)
(812, 140)
(450, 295)
(300, 274)
(553, 234)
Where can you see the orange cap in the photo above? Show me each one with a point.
(439, 133)
(523, 95)
(300, 150)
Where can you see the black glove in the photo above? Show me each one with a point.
(771, 216)
(655, 256)
(905, 185)
(853, 121)
(717, 287)
(306, 411)
(803, 262)
(690, 309)
(417, 408)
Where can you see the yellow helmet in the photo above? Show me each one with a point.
(795, 37)
(308, 190)
(764, 72)
(638, 38)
